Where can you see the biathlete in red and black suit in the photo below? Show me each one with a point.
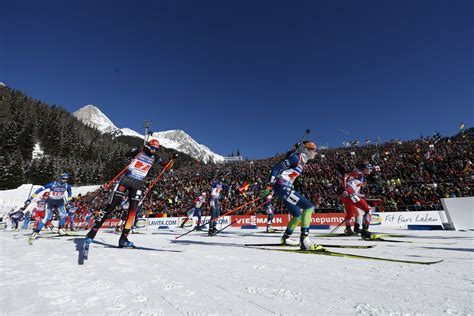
(132, 181)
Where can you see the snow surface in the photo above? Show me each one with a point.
(199, 275)
(37, 152)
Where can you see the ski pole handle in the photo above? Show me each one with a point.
(306, 133)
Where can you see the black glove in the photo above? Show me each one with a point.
(175, 156)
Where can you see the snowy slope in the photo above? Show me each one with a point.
(175, 139)
(198, 275)
(130, 132)
(179, 140)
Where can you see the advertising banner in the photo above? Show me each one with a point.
(155, 223)
(403, 219)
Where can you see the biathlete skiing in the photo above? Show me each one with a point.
(132, 181)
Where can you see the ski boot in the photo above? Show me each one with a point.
(270, 228)
(349, 232)
(356, 228)
(199, 227)
(212, 229)
(286, 240)
(307, 244)
(125, 243)
(365, 234)
(61, 232)
(32, 237)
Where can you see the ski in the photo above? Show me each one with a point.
(393, 235)
(324, 245)
(380, 239)
(331, 235)
(326, 252)
(376, 238)
(57, 235)
(275, 231)
(344, 235)
(32, 238)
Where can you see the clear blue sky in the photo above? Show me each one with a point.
(251, 75)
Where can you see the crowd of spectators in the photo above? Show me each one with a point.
(409, 176)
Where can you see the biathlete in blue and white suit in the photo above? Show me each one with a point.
(284, 173)
(196, 211)
(217, 187)
(270, 210)
(56, 198)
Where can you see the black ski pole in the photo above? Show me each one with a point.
(306, 133)
(332, 231)
(298, 144)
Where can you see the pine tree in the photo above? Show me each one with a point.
(13, 172)
(26, 134)
(9, 136)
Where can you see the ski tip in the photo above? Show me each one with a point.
(376, 236)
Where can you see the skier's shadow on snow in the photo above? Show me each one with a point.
(80, 249)
(204, 243)
(452, 249)
(137, 248)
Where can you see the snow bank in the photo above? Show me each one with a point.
(16, 197)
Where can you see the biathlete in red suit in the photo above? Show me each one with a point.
(38, 211)
(354, 202)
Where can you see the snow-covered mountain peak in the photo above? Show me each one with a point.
(92, 116)
(175, 139)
